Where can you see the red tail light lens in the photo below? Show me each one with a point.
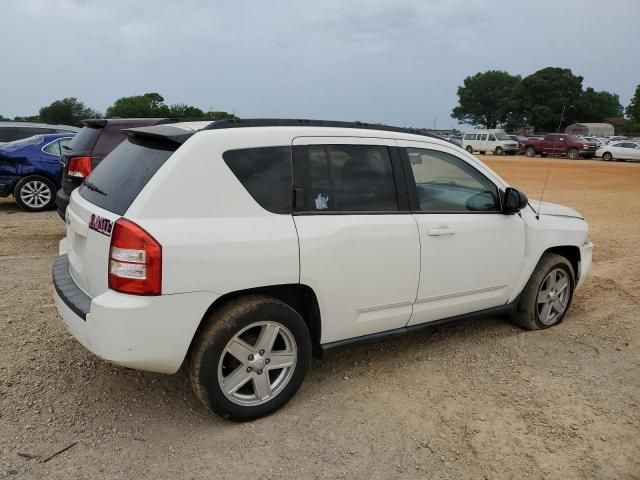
(135, 260)
(79, 167)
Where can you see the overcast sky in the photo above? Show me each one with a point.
(391, 61)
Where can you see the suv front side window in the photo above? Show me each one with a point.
(350, 178)
(447, 184)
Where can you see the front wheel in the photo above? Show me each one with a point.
(250, 359)
(530, 152)
(35, 194)
(574, 154)
(470, 149)
(547, 296)
(607, 157)
(499, 151)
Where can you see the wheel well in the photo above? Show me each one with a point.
(301, 298)
(37, 173)
(571, 253)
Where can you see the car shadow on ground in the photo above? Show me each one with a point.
(171, 395)
(9, 206)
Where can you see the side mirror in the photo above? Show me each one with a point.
(514, 201)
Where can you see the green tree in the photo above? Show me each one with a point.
(633, 110)
(219, 115)
(139, 106)
(68, 111)
(485, 99)
(541, 97)
(181, 110)
(596, 106)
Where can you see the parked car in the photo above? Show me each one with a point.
(94, 142)
(619, 151)
(489, 140)
(241, 248)
(30, 170)
(595, 140)
(12, 131)
(560, 144)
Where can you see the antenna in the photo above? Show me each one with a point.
(553, 151)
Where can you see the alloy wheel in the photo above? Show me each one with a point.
(257, 363)
(553, 296)
(35, 194)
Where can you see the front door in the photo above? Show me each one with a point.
(359, 246)
(471, 254)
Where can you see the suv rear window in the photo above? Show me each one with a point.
(85, 139)
(120, 177)
(266, 174)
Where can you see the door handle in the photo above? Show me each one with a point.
(442, 230)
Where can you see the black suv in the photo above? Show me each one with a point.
(89, 147)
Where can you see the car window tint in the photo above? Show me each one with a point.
(120, 177)
(109, 139)
(25, 132)
(492, 138)
(5, 134)
(53, 148)
(265, 173)
(446, 183)
(350, 178)
(85, 139)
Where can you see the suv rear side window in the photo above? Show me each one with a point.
(85, 139)
(120, 177)
(350, 178)
(265, 172)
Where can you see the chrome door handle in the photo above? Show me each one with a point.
(442, 230)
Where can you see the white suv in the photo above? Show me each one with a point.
(241, 248)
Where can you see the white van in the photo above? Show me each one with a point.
(489, 140)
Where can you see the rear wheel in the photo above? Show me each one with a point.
(547, 296)
(35, 193)
(499, 151)
(530, 152)
(250, 358)
(574, 154)
(470, 149)
(607, 157)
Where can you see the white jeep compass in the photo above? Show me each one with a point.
(239, 249)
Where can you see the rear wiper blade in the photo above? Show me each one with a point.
(93, 187)
(66, 147)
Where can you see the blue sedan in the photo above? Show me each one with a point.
(30, 170)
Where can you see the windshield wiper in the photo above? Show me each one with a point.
(93, 187)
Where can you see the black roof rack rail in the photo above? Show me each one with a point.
(292, 122)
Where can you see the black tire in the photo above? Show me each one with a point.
(607, 157)
(530, 152)
(526, 314)
(573, 154)
(27, 198)
(499, 151)
(469, 149)
(222, 325)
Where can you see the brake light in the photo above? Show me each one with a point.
(79, 167)
(135, 260)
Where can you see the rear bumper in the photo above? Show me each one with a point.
(62, 202)
(586, 254)
(146, 333)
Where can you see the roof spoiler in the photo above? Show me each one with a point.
(94, 123)
(162, 132)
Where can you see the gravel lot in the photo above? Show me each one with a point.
(480, 399)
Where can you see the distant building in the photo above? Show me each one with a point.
(591, 129)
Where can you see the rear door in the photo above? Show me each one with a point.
(471, 254)
(359, 247)
(104, 197)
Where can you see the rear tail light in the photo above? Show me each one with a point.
(135, 260)
(79, 167)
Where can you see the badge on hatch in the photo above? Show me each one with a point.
(102, 225)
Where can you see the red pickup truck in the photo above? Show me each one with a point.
(560, 144)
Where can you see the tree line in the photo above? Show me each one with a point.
(71, 111)
(496, 98)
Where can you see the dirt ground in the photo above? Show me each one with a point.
(481, 399)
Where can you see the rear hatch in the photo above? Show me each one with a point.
(102, 199)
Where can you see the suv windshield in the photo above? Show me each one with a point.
(503, 136)
(121, 176)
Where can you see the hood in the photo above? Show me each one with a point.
(553, 209)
